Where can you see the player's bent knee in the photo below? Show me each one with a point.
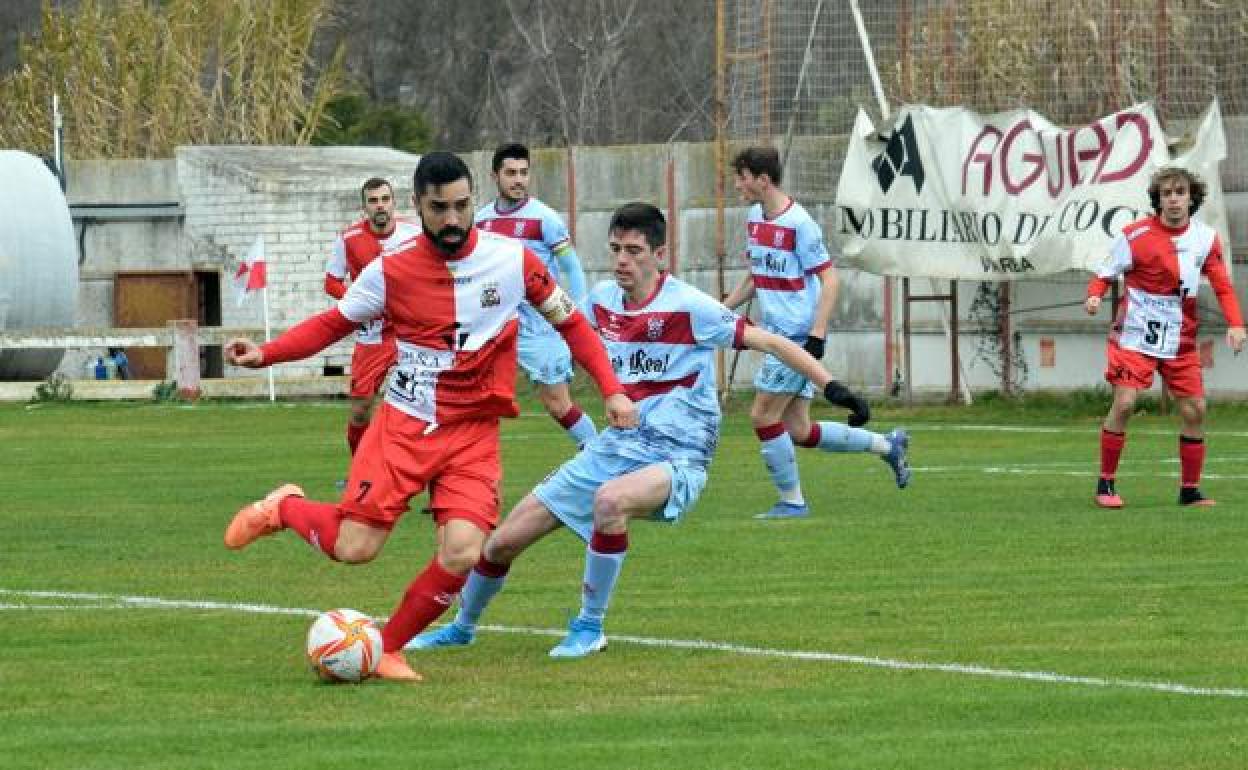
(610, 508)
(459, 557)
(355, 553)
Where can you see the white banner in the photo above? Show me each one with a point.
(953, 194)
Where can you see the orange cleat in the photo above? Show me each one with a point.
(1112, 500)
(258, 519)
(393, 666)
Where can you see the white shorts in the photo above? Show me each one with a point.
(569, 492)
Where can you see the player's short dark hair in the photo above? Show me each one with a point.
(372, 183)
(512, 151)
(643, 218)
(1195, 184)
(436, 169)
(758, 161)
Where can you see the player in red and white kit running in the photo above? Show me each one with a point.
(380, 230)
(1162, 258)
(451, 298)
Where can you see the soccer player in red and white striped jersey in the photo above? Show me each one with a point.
(380, 230)
(1162, 258)
(451, 297)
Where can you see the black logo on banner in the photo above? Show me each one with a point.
(900, 158)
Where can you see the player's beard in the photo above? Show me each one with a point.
(440, 238)
(381, 220)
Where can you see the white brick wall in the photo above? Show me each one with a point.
(298, 199)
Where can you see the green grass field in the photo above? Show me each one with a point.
(846, 640)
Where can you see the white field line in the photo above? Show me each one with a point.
(93, 601)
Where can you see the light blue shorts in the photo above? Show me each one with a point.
(776, 377)
(569, 492)
(544, 356)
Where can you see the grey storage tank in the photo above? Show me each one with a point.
(38, 261)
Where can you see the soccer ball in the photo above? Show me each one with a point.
(344, 646)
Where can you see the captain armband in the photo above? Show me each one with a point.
(558, 307)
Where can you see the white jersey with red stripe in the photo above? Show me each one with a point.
(663, 352)
(454, 322)
(542, 231)
(786, 254)
(1162, 265)
(355, 248)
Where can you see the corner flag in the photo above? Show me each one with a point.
(251, 274)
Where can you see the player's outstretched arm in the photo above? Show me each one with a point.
(309, 336)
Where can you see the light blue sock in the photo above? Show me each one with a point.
(781, 460)
(475, 596)
(838, 437)
(583, 431)
(601, 572)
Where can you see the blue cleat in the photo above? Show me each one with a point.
(450, 635)
(584, 638)
(783, 510)
(896, 457)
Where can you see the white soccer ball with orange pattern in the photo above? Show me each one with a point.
(344, 646)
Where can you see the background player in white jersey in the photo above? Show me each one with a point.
(661, 335)
(794, 279)
(380, 230)
(543, 354)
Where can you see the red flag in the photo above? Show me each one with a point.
(251, 274)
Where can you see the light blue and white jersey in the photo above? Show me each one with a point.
(663, 353)
(786, 255)
(543, 231)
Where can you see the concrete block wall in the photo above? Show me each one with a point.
(300, 198)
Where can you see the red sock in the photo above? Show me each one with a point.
(426, 598)
(1111, 449)
(317, 523)
(1191, 460)
(354, 434)
(570, 417)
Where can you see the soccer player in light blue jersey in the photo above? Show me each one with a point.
(661, 335)
(794, 278)
(543, 354)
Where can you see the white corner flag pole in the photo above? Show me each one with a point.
(268, 335)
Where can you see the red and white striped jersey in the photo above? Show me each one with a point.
(454, 321)
(358, 245)
(786, 254)
(354, 249)
(1162, 268)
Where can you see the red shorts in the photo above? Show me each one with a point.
(1133, 369)
(369, 365)
(396, 460)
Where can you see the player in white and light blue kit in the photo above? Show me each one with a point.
(795, 281)
(542, 352)
(661, 335)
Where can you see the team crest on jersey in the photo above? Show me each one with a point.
(490, 296)
(654, 328)
(518, 228)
